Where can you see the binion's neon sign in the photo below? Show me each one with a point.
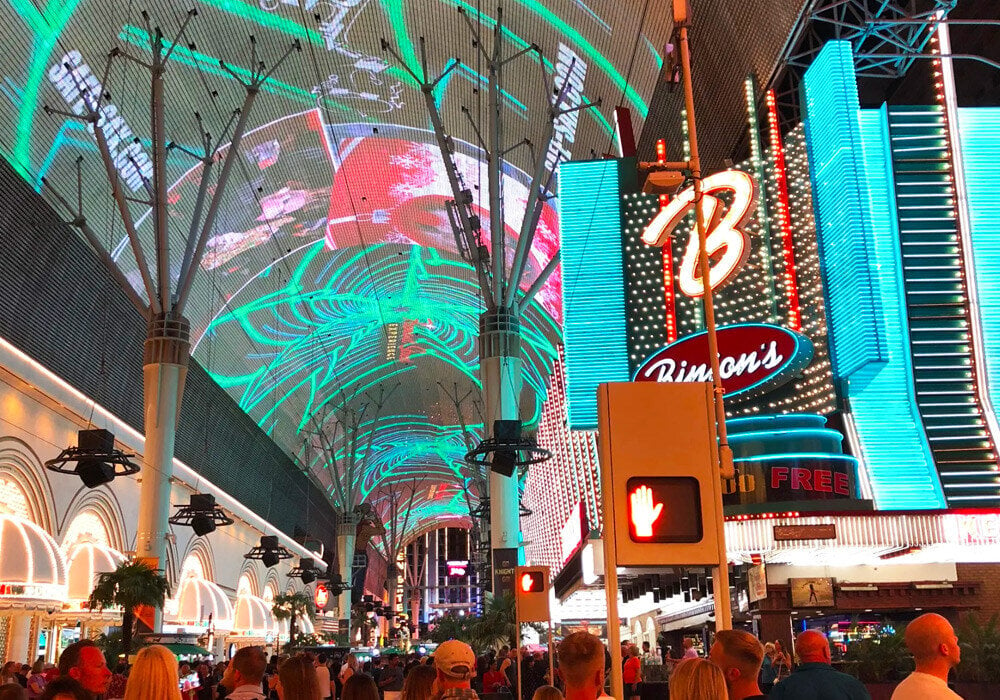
(725, 232)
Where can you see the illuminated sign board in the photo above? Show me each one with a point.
(321, 596)
(664, 509)
(457, 568)
(574, 531)
(752, 356)
(727, 242)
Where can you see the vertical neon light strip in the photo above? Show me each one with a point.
(594, 328)
(784, 223)
(763, 220)
(669, 303)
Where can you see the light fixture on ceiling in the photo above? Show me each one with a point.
(202, 515)
(95, 459)
(269, 552)
(507, 449)
(306, 570)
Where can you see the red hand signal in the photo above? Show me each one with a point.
(643, 512)
(531, 582)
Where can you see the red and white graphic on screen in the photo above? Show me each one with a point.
(727, 244)
(643, 511)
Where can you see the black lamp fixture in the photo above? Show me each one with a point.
(335, 584)
(95, 459)
(202, 515)
(507, 449)
(306, 570)
(269, 551)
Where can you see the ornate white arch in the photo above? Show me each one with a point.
(21, 466)
(253, 576)
(103, 504)
(201, 549)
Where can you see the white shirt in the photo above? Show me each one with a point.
(323, 677)
(924, 686)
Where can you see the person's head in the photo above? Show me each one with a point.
(547, 692)
(812, 647)
(65, 688)
(698, 679)
(392, 660)
(932, 641)
(455, 663)
(645, 646)
(38, 666)
(688, 643)
(768, 648)
(739, 655)
(13, 691)
(633, 650)
(419, 683)
(246, 667)
(154, 675)
(352, 661)
(84, 662)
(581, 661)
(778, 646)
(297, 680)
(360, 686)
(321, 659)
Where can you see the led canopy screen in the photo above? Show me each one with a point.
(332, 269)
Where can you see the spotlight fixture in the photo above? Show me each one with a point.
(202, 515)
(335, 584)
(95, 459)
(306, 570)
(269, 551)
(507, 449)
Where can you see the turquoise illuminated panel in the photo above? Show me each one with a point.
(981, 152)
(882, 398)
(593, 283)
(834, 143)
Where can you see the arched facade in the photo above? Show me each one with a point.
(21, 472)
(90, 507)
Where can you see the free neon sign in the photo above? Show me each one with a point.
(724, 227)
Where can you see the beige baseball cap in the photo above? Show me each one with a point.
(455, 659)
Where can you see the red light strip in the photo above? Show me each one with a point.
(669, 300)
(784, 219)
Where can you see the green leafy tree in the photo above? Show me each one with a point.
(452, 626)
(132, 585)
(293, 607)
(980, 642)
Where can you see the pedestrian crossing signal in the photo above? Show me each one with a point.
(531, 593)
(532, 582)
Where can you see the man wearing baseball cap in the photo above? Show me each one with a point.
(456, 665)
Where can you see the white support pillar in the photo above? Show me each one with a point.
(347, 531)
(20, 633)
(164, 371)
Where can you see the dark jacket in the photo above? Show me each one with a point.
(816, 681)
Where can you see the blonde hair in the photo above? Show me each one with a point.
(698, 679)
(547, 692)
(154, 675)
(298, 679)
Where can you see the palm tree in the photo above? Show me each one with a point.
(291, 607)
(132, 585)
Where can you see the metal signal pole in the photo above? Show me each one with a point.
(720, 574)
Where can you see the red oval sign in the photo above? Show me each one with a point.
(321, 597)
(752, 357)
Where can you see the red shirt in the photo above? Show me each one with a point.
(493, 681)
(632, 671)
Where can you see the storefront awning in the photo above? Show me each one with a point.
(253, 617)
(31, 565)
(87, 561)
(197, 600)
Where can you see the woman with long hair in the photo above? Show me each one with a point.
(297, 680)
(154, 675)
(698, 679)
(419, 683)
(349, 668)
(360, 686)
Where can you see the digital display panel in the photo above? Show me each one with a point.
(332, 267)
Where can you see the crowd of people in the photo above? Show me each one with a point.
(738, 667)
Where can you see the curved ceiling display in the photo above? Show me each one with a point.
(332, 271)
